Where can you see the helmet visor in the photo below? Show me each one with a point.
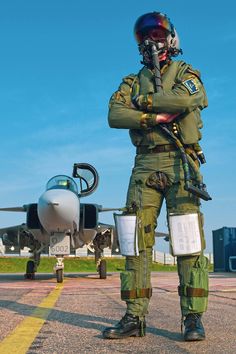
(147, 26)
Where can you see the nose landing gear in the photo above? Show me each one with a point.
(59, 269)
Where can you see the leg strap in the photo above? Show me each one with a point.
(136, 293)
(192, 292)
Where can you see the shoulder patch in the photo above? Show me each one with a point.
(192, 85)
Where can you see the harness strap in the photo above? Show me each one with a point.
(192, 292)
(156, 149)
(136, 293)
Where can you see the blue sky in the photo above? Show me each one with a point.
(60, 62)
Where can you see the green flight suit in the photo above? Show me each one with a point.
(159, 175)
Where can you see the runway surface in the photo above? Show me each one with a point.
(42, 316)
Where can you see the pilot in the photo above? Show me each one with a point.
(158, 173)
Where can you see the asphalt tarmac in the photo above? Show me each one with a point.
(42, 316)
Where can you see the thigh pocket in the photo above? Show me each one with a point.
(146, 225)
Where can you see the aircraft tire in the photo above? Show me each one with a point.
(30, 273)
(103, 269)
(59, 274)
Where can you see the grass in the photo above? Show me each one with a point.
(73, 264)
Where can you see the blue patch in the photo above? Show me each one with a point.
(191, 85)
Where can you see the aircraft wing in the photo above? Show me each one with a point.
(10, 235)
(109, 226)
(15, 209)
(18, 235)
(12, 229)
(157, 234)
(101, 209)
(162, 234)
(103, 227)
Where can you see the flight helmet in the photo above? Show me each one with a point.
(157, 27)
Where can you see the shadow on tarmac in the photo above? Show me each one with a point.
(174, 336)
(78, 320)
(75, 319)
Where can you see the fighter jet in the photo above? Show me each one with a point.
(61, 222)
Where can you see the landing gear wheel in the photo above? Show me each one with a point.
(59, 274)
(103, 269)
(30, 273)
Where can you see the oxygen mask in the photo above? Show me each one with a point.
(145, 50)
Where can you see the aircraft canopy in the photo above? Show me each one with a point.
(62, 182)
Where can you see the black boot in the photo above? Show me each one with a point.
(128, 326)
(194, 329)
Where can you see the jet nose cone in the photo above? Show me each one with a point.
(58, 210)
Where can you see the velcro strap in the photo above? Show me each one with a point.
(192, 292)
(136, 293)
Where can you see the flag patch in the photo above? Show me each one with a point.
(192, 86)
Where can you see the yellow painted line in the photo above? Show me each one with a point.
(21, 338)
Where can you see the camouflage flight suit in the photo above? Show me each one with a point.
(158, 175)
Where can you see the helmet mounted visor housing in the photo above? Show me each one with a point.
(151, 25)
